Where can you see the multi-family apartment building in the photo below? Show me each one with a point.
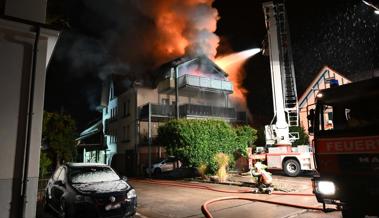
(189, 88)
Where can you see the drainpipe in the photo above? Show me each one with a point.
(25, 162)
(176, 93)
(149, 140)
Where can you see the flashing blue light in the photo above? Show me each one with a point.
(333, 83)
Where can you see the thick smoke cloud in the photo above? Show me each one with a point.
(133, 37)
(159, 31)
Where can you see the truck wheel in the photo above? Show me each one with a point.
(291, 167)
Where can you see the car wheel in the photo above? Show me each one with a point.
(291, 167)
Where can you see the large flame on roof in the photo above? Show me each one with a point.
(233, 65)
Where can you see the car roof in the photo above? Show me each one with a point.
(86, 165)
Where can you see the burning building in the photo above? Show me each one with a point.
(188, 88)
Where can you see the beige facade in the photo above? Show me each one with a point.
(26, 46)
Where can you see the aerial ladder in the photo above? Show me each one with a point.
(280, 154)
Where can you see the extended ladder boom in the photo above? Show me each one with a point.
(282, 75)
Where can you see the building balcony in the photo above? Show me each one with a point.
(162, 112)
(188, 83)
(158, 112)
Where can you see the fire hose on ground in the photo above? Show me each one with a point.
(204, 207)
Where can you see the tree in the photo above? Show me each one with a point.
(196, 142)
(58, 134)
(44, 164)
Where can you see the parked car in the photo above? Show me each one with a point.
(164, 165)
(89, 190)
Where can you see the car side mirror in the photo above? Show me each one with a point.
(124, 178)
(59, 183)
(311, 118)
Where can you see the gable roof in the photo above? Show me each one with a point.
(325, 74)
(93, 129)
(164, 70)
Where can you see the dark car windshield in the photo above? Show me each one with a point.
(79, 175)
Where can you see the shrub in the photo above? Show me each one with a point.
(222, 162)
(202, 169)
(197, 142)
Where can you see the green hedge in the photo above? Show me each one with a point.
(197, 142)
(303, 137)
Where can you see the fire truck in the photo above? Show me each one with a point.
(345, 124)
(279, 152)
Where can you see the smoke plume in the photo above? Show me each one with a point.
(159, 31)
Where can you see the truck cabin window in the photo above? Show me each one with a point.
(358, 115)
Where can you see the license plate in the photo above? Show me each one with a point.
(112, 206)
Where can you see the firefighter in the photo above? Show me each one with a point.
(263, 178)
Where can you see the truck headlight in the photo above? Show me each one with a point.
(325, 187)
(131, 193)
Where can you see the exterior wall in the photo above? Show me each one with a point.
(127, 134)
(16, 52)
(109, 136)
(307, 100)
(126, 121)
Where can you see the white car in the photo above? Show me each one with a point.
(164, 165)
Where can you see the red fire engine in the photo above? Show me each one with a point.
(347, 152)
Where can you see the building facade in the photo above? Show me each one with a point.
(324, 80)
(187, 88)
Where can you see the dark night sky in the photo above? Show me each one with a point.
(341, 34)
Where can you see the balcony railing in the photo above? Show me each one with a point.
(157, 111)
(205, 82)
(187, 110)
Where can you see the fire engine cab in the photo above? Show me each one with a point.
(347, 151)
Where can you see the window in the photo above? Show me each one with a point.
(351, 115)
(115, 136)
(124, 107)
(92, 174)
(127, 132)
(165, 101)
(128, 107)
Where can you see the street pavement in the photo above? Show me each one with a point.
(155, 200)
(161, 201)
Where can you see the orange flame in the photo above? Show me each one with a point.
(181, 27)
(232, 64)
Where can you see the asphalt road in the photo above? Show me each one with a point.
(156, 200)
